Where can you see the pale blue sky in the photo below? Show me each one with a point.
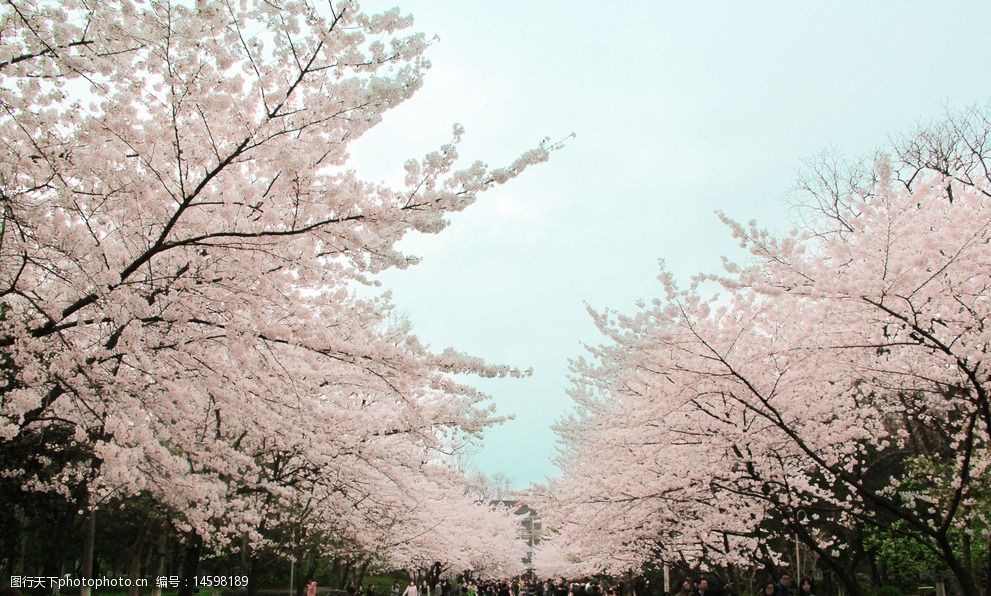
(679, 109)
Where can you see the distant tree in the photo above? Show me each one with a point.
(494, 487)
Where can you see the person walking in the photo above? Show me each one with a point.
(704, 589)
(783, 587)
(410, 589)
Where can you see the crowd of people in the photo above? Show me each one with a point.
(783, 587)
(588, 587)
(510, 587)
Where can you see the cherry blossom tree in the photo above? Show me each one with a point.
(839, 382)
(550, 560)
(456, 531)
(181, 245)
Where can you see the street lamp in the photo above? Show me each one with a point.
(292, 564)
(800, 516)
(530, 551)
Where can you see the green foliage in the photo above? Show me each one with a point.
(382, 584)
(908, 561)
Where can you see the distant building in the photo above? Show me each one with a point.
(530, 527)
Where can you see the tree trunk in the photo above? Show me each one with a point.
(731, 579)
(987, 572)
(306, 575)
(433, 574)
(22, 545)
(875, 574)
(244, 550)
(345, 573)
(253, 565)
(135, 556)
(968, 562)
(844, 572)
(360, 577)
(965, 580)
(190, 565)
(160, 547)
(846, 576)
(134, 572)
(55, 553)
(86, 570)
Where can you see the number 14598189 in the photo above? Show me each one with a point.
(221, 581)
